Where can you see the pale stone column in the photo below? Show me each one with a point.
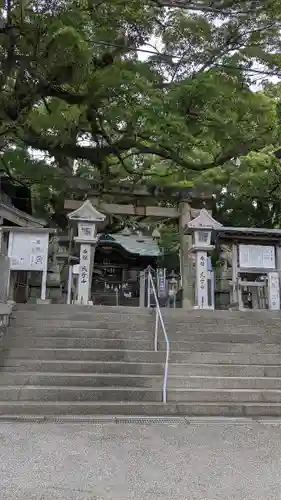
(273, 291)
(11, 285)
(202, 279)
(142, 289)
(187, 268)
(201, 230)
(235, 284)
(85, 275)
(2, 249)
(87, 218)
(278, 261)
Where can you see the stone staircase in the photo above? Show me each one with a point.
(59, 360)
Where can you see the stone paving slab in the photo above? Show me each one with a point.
(197, 459)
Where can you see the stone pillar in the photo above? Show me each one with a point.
(85, 273)
(142, 289)
(186, 260)
(11, 285)
(201, 266)
(273, 291)
(235, 285)
(278, 262)
(2, 249)
(87, 218)
(201, 230)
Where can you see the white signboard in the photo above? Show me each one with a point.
(256, 256)
(273, 292)
(28, 251)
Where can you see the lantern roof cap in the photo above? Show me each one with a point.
(204, 221)
(87, 213)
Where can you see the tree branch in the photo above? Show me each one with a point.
(10, 175)
(65, 95)
(73, 150)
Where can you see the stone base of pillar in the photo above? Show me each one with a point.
(43, 301)
(187, 303)
(89, 303)
(206, 308)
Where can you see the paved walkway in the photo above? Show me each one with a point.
(188, 461)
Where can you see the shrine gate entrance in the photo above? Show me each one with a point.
(255, 256)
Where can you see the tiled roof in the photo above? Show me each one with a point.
(134, 243)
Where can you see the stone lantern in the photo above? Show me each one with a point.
(87, 219)
(201, 229)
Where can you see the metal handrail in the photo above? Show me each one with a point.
(159, 317)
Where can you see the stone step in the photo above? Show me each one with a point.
(83, 354)
(61, 393)
(145, 314)
(224, 395)
(224, 370)
(88, 367)
(246, 315)
(87, 409)
(176, 395)
(182, 329)
(230, 329)
(234, 329)
(26, 332)
(138, 344)
(236, 358)
(145, 368)
(103, 323)
(217, 382)
(141, 355)
(180, 314)
(90, 332)
(83, 316)
(223, 347)
(69, 309)
(8, 378)
(79, 343)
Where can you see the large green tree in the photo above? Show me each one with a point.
(73, 85)
(248, 192)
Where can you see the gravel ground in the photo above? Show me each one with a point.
(204, 459)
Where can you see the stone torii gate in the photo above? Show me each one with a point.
(184, 213)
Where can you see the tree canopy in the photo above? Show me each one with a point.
(137, 89)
